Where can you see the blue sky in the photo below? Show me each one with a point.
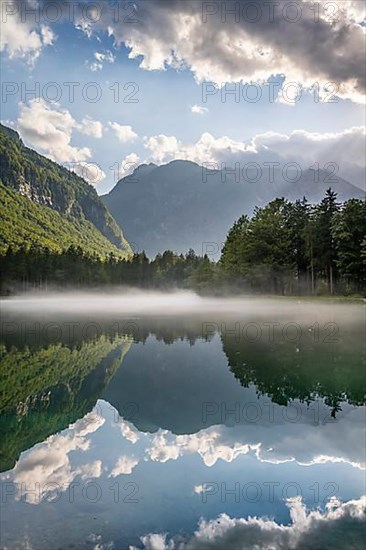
(162, 123)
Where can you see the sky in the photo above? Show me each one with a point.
(101, 87)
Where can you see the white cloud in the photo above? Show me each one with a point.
(352, 9)
(94, 67)
(106, 57)
(24, 38)
(124, 465)
(100, 57)
(162, 148)
(123, 133)
(49, 127)
(51, 461)
(207, 149)
(129, 431)
(48, 464)
(207, 443)
(344, 149)
(314, 529)
(90, 171)
(155, 541)
(91, 127)
(293, 443)
(89, 424)
(180, 35)
(198, 110)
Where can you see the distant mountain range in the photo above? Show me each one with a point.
(44, 204)
(176, 206)
(181, 205)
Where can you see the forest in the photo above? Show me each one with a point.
(285, 248)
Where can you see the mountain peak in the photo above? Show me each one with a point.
(176, 208)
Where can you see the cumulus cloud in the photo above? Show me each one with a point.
(23, 37)
(344, 149)
(207, 443)
(352, 9)
(49, 128)
(128, 431)
(89, 424)
(94, 67)
(163, 148)
(124, 465)
(91, 127)
(199, 110)
(47, 465)
(89, 171)
(285, 444)
(218, 443)
(124, 133)
(126, 167)
(295, 40)
(315, 529)
(50, 461)
(249, 46)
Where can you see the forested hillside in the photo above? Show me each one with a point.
(45, 204)
(285, 248)
(25, 223)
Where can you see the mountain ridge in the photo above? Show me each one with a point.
(182, 205)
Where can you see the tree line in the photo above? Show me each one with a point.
(284, 248)
(299, 248)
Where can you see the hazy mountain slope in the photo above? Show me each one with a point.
(179, 205)
(50, 201)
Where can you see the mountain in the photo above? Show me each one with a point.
(182, 205)
(45, 204)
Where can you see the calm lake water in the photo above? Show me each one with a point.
(177, 422)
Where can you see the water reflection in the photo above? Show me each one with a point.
(141, 426)
(43, 390)
(104, 474)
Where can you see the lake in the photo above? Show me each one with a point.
(155, 421)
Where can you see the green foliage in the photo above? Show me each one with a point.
(324, 248)
(283, 373)
(44, 390)
(288, 248)
(348, 229)
(26, 223)
(37, 267)
(24, 373)
(235, 248)
(62, 198)
(279, 250)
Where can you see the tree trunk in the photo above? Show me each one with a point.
(331, 278)
(312, 269)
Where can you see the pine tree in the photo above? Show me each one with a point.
(349, 234)
(324, 245)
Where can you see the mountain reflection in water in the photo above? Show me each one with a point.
(170, 411)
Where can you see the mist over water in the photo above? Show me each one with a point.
(182, 303)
